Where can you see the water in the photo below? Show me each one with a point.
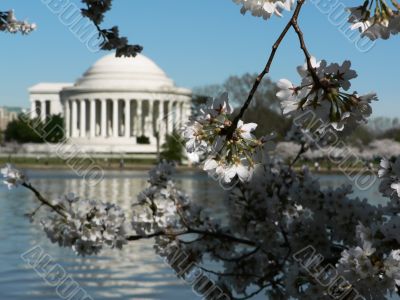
(133, 273)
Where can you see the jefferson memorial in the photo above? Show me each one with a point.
(119, 105)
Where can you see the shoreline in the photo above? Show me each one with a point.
(179, 168)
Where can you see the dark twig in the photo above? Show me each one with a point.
(254, 293)
(111, 38)
(43, 200)
(302, 150)
(239, 258)
(221, 274)
(266, 68)
(307, 54)
(219, 235)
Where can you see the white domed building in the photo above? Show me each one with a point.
(120, 105)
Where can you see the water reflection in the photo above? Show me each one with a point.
(133, 273)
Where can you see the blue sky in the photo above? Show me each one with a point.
(197, 42)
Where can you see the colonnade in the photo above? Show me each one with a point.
(121, 118)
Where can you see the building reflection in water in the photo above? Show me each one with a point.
(136, 272)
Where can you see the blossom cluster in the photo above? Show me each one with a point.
(158, 206)
(265, 8)
(227, 152)
(86, 225)
(389, 172)
(376, 19)
(13, 177)
(279, 211)
(324, 92)
(364, 265)
(372, 261)
(9, 23)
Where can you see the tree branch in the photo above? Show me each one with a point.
(58, 209)
(266, 68)
(307, 54)
(219, 235)
(302, 150)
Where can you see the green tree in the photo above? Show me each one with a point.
(238, 88)
(54, 129)
(23, 132)
(393, 133)
(34, 130)
(361, 136)
(173, 149)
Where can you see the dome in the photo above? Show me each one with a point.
(124, 74)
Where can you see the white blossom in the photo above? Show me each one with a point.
(88, 225)
(325, 96)
(161, 173)
(375, 20)
(12, 25)
(389, 172)
(392, 265)
(226, 151)
(12, 177)
(157, 205)
(358, 260)
(265, 8)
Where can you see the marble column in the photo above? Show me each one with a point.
(43, 111)
(103, 129)
(115, 123)
(67, 120)
(33, 110)
(121, 125)
(170, 120)
(161, 122)
(83, 118)
(92, 118)
(180, 114)
(161, 113)
(139, 125)
(127, 118)
(74, 114)
(150, 130)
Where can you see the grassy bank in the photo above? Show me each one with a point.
(54, 163)
(57, 163)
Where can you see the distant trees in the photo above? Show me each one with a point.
(238, 89)
(173, 149)
(393, 134)
(265, 110)
(265, 107)
(361, 136)
(35, 131)
(381, 124)
(22, 132)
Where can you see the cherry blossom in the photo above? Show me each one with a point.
(325, 95)
(375, 19)
(9, 23)
(12, 177)
(390, 174)
(226, 153)
(265, 8)
(86, 225)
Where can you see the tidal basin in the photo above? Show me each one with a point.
(136, 272)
